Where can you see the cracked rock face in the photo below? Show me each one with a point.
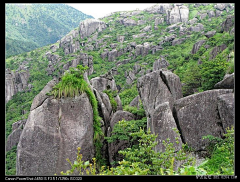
(158, 87)
(198, 116)
(53, 131)
(178, 14)
(89, 26)
(15, 82)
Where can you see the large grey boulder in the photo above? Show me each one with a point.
(15, 82)
(220, 6)
(173, 83)
(129, 22)
(112, 55)
(197, 46)
(160, 63)
(14, 137)
(106, 82)
(89, 26)
(52, 133)
(197, 28)
(156, 88)
(162, 124)
(135, 102)
(68, 42)
(226, 83)
(197, 116)
(139, 50)
(228, 23)
(226, 110)
(217, 49)
(178, 41)
(210, 34)
(179, 14)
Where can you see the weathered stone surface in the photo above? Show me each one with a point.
(153, 91)
(106, 82)
(129, 22)
(120, 38)
(179, 14)
(226, 110)
(162, 124)
(156, 88)
(52, 134)
(139, 35)
(105, 107)
(112, 55)
(115, 146)
(68, 43)
(15, 82)
(210, 34)
(178, 41)
(226, 83)
(41, 97)
(160, 63)
(220, 6)
(158, 21)
(217, 50)
(14, 137)
(228, 23)
(197, 116)
(135, 102)
(139, 50)
(197, 28)
(197, 46)
(173, 83)
(89, 26)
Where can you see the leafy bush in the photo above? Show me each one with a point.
(141, 159)
(128, 95)
(213, 71)
(139, 113)
(221, 161)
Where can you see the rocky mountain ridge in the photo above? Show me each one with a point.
(118, 60)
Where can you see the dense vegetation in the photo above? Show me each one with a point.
(141, 159)
(29, 26)
(196, 71)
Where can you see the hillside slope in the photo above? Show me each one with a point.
(29, 26)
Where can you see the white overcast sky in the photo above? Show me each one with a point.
(98, 10)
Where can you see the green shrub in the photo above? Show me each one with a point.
(139, 160)
(128, 95)
(221, 161)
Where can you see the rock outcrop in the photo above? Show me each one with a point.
(160, 63)
(197, 46)
(226, 110)
(178, 14)
(89, 26)
(15, 82)
(197, 116)
(226, 83)
(158, 90)
(52, 133)
(163, 124)
(14, 137)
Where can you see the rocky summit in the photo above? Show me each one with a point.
(167, 69)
